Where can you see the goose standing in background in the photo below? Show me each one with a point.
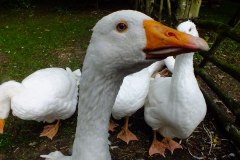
(46, 95)
(122, 43)
(131, 97)
(175, 105)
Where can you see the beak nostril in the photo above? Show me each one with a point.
(171, 34)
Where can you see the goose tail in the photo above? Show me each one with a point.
(77, 74)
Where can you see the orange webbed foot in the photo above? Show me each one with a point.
(125, 134)
(112, 126)
(156, 146)
(171, 144)
(50, 130)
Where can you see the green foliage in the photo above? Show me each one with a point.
(28, 40)
(222, 14)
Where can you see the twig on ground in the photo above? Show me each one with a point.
(187, 140)
(210, 137)
(196, 157)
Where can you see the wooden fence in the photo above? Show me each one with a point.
(231, 30)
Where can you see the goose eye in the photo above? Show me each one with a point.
(190, 29)
(121, 27)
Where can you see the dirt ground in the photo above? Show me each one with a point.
(205, 143)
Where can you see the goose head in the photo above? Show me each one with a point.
(126, 38)
(7, 91)
(188, 27)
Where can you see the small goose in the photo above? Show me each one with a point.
(131, 97)
(46, 95)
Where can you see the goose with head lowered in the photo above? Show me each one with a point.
(131, 97)
(46, 95)
(122, 43)
(175, 105)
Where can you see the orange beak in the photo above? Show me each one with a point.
(163, 41)
(2, 123)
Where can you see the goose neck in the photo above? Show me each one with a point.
(7, 91)
(183, 64)
(96, 98)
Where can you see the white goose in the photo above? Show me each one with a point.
(120, 45)
(46, 95)
(175, 106)
(131, 97)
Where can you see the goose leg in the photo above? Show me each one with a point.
(125, 134)
(2, 123)
(171, 144)
(164, 73)
(112, 126)
(50, 130)
(156, 147)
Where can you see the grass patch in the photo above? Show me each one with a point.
(29, 38)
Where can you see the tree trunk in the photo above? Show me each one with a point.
(188, 9)
(149, 7)
(169, 8)
(160, 10)
(148, 4)
(194, 9)
(135, 4)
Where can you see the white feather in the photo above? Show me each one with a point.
(175, 105)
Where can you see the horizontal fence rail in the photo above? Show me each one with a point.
(229, 30)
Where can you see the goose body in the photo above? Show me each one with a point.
(178, 111)
(133, 91)
(122, 43)
(131, 97)
(46, 95)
